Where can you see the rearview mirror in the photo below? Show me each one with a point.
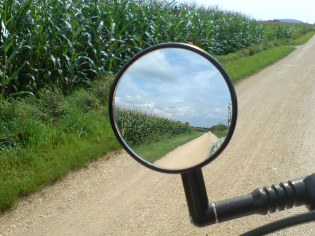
(173, 108)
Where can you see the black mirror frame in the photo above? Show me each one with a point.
(211, 60)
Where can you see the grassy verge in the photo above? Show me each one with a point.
(41, 139)
(246, 66)
(303, 39)
(154, 151)
(31, 169)
(249, 61)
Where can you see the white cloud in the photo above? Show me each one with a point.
(266, 9)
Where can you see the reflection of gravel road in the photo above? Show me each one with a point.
(273, 141)
(189, 154)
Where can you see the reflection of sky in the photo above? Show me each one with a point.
(177, 84)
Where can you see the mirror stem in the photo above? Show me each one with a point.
(197, 200)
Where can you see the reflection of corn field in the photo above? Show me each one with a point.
(139, 128)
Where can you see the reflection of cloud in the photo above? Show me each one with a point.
(147, 105)
(219, 110)
(177, 84)
(153, 67)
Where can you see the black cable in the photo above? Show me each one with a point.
(281, 224)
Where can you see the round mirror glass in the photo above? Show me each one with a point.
(173, 107)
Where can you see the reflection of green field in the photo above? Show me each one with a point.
(140, 128)
(220, 130)
(154, 151)
(220, 133)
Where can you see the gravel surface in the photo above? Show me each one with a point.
(190, 154)
(274, 141)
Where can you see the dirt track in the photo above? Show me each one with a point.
(274, 141)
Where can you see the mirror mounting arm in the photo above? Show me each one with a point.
(197, 200)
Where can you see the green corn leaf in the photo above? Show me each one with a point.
(8, 79)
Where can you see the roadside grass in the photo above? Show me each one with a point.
(253, 59)
(33, 169)
(242, 67)
(220, 133)
(44, 137)
(154, 151)
(41, 139)
(303, 39)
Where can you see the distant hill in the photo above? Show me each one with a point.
(288, 21)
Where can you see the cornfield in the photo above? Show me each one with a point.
(139, 128)
(68, 43)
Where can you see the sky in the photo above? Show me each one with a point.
(177, 84)
(303, 10)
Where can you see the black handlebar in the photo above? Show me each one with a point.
(261, 201)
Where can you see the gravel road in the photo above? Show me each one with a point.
(190, 154)
(274, 141)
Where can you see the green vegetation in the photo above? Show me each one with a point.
(242, 66)
(303, 39)
(219, 130)
(139, 128)
(70, 43)
(41, 139)
(154, 151)
(252, 59)
(56, 64)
